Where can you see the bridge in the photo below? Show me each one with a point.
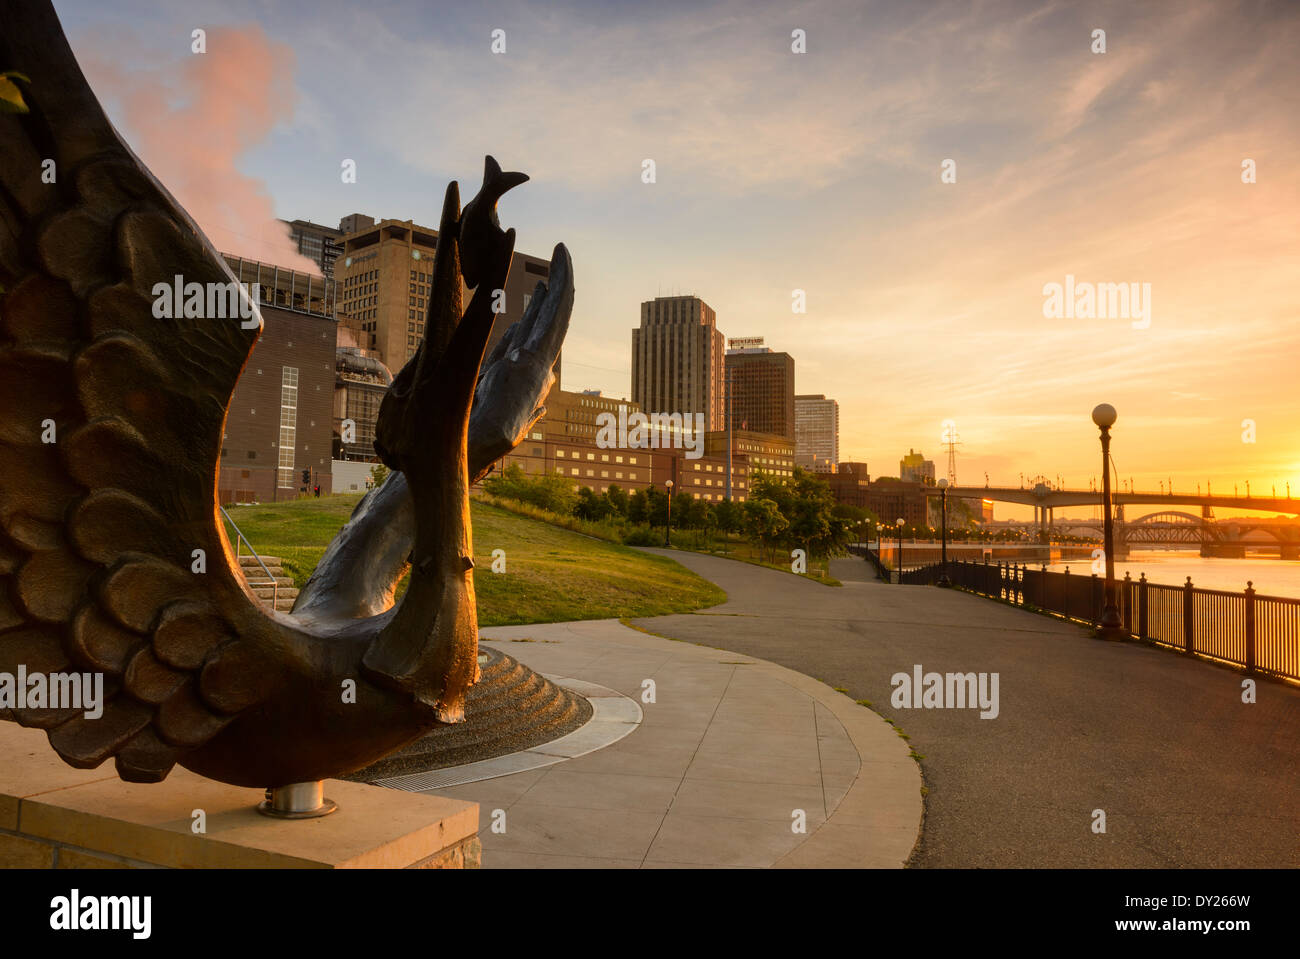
(1168, 528)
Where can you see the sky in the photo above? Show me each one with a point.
(821, 172)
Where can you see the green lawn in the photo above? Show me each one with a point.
(552, 574)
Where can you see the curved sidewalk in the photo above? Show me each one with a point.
(731, 757)
(1186, 772)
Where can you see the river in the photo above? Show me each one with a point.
(1271, 576)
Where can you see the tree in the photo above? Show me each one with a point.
(699, 516)
(590, 506)
(549, 491)
(682, 503)
(617, 497)
(729, 516)
(764, 523)
(378, 473)
(638, 507)
(806, 502)
(656, 507)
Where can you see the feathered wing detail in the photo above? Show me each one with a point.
(111, 423)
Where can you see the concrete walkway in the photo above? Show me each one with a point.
(737, 762)
(1185, 772)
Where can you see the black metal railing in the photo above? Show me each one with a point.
(1257, 633)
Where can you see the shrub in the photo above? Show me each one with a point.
(642, 536)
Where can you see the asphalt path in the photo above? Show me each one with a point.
(1186, 774)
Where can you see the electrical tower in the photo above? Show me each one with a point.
(951, 440)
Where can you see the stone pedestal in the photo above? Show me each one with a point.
(54, 816)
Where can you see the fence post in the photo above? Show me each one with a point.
(1142, 607)
(1189, 622)
(1250, 626)
(1128, 603)
(1065, 594)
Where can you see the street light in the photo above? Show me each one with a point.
(900, 549)
(943, 500)
(1104, 416)
(668, 484)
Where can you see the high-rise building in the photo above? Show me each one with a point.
(761, 384)
(385, 279)
(677, 359)
(316, 242)
(915, 468)
(816, 433)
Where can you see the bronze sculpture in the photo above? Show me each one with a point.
(111, 424)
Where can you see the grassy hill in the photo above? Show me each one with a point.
(552, 574)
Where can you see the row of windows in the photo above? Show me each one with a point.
(604, 457)
(632, 475)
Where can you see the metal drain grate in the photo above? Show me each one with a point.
(438, 779)
(605, 713)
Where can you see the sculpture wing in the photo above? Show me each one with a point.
(111, 423)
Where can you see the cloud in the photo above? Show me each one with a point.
(191, 121)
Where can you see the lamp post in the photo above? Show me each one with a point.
(900, 550)
(1104, 416)
(668, 527)
(943, 527)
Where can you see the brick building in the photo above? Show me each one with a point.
(279, 419)
(891, 499)
(851, 485)
(566, 442)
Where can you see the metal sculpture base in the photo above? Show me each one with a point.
(510, 708)
(297, 801)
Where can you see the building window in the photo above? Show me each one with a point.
(288, 426)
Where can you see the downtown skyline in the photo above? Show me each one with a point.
(819, 172)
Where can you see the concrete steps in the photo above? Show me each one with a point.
(277, 588)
